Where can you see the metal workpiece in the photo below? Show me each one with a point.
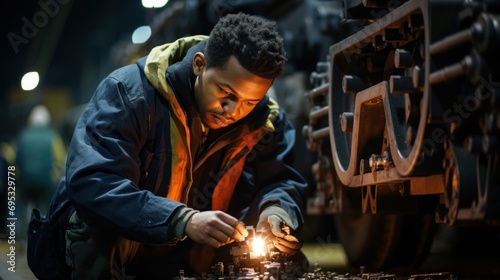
(286, 270)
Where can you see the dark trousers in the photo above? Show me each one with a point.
(95, 253)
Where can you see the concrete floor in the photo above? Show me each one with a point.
(21, 269)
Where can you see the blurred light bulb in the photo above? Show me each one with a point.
(154, 3)
(30, 81)
(141, 34)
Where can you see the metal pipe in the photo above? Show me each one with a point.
(447, 73)
(352, 84)
(315, 92)
(321, 133)
(317, 114)
(445, 44)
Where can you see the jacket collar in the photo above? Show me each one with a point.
(181, 78)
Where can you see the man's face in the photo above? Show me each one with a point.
(224, 96)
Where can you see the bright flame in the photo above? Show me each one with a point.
(258, 246)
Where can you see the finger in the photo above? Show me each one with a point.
(228, 241)
(275, 225)
(285, 249)
(223, 230)
(291, 238)
(286, 229)
(231, 226)
(212, 242)
(240, 232)
(220, 231)
(220, 236)
(289, 244)
(226, 227)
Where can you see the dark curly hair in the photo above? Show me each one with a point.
(252, 40)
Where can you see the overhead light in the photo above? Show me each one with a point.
(30, 81)
(154, 3)
(141, 34)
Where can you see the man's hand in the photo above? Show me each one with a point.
(282, 239)
(215, 228)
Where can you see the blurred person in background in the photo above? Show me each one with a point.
(40, 156)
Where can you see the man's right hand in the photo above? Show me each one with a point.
(215, 228)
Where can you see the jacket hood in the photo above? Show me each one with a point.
(161, 57)
(181, 77)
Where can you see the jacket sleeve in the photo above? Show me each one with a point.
(103, 164)
(269, 175)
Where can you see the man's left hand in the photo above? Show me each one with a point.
(281, 238)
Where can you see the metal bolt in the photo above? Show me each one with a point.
(401, 84)
(346, 121)
(402, 59)
(377, 161)
(352, 84)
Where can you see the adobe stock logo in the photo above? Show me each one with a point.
(29, 29)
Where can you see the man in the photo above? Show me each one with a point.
(173, 157)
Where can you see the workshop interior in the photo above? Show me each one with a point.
(394, 103)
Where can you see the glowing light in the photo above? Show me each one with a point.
(258, 246)
(154, 3)
(30, 81)
(141, 34)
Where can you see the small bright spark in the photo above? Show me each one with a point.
(258, 246)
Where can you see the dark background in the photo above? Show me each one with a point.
(74, 44)
(69, 43)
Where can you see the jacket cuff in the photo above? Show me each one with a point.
(278, 211)
(180, 221)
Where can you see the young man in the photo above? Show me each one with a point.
(173, 157)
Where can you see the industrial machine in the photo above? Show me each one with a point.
(405, 121)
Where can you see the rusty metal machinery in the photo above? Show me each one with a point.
(405, 122)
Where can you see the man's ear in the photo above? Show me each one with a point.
(199, 61)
